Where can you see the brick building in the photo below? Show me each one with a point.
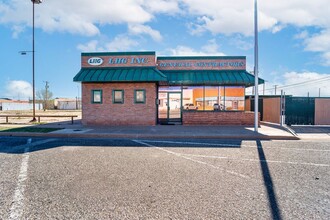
(138, 88)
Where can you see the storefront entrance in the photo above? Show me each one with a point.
(170, 106)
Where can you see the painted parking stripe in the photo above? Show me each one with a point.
(255, 160)
(193, 160)
(251, 160)
(233, 145)
(17, 207)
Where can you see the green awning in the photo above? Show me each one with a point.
(149, 74)
(172, 77)
(210, 77)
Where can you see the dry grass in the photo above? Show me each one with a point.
(24, 120)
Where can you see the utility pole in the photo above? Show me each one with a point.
(275, 88)
(264, 88)
(46, 95)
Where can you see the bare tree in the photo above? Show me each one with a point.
(45, 96)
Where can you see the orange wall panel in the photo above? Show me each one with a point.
(322, 111)
(271, 110)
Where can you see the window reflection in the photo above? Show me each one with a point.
(234, 98)
(207, 98)
(212, 98)
(193, 97)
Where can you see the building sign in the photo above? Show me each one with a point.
(95, 61)
(192, 63)
(118, 61)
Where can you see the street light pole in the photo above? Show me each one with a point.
(256, 79)
(33, 81)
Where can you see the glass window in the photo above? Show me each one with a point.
(97, 96)
(193, 97)
(118, 96)
(140, 96)
(234, 98)
(212, 98)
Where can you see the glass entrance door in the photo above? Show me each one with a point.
(162, 108)
(169, 108)
(174, 107)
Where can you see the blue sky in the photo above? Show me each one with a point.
(294, 39)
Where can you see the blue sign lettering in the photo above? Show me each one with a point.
(138, 60)
(118, 61)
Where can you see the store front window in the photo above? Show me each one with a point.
(193, 97)
(173, 99)
(234, 98)
(211, 98)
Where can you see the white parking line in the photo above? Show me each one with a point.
(233, 159)
(196, 161)
(17, 207)
(233, 145)
(255, 160)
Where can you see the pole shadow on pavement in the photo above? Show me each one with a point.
(268, 182)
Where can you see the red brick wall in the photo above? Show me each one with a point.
(217, 118)
(128, 113)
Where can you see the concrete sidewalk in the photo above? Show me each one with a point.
(77, 130)
(312, 132)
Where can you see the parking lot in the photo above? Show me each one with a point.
(163, 179)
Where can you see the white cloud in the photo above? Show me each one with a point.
(19, 89)
(320, 43)
(91, 46)
(300, 84)
(217, 16)
(85, 17)
(163, 6)
(227, 17)
(241, 43)
(278, 28)
(311, 83)
(236, 16)
(212, 48)
(326, 58)
(75, 16)
(137, 29)
(17, 29)
(119, 43)
(302, 35)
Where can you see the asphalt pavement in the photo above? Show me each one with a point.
(83, 178)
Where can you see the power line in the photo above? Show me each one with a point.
(324, 79)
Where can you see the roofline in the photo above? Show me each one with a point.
(211, 70)
(199, 57)
(119, 53)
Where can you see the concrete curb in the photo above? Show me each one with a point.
(150, 136)
(284, 128)
(290, 130)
